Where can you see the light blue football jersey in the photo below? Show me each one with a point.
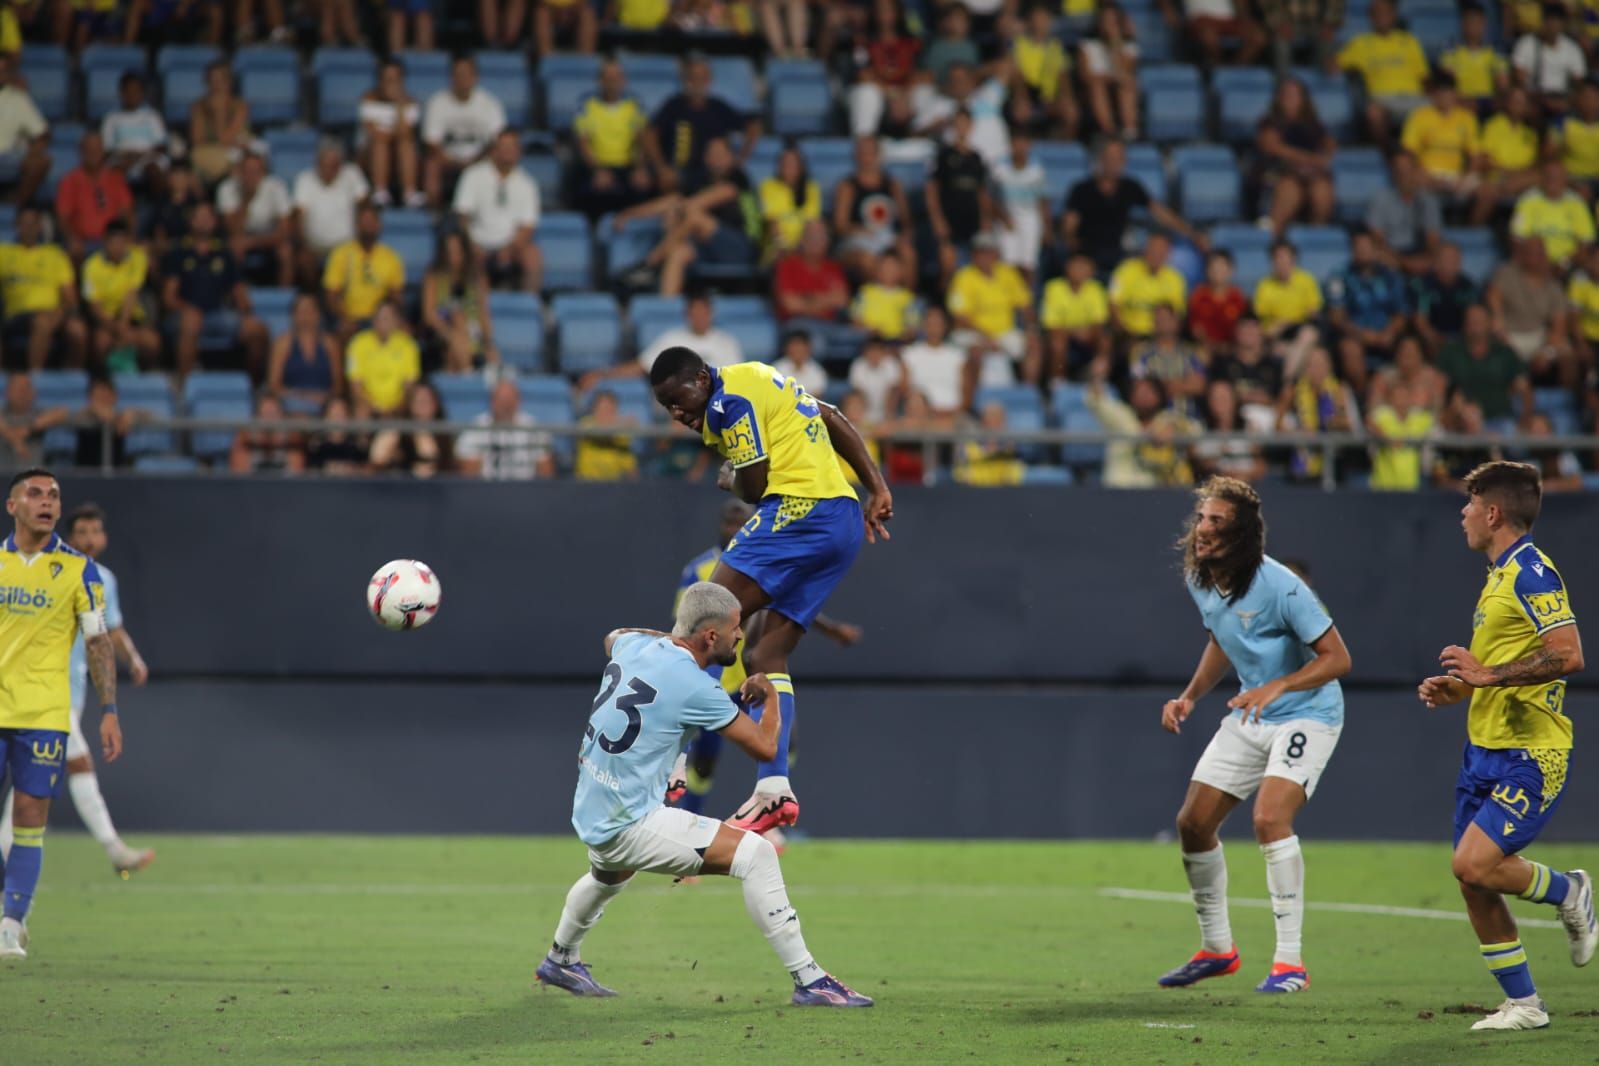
(651, 692)
(1267, 634)
(78, 664)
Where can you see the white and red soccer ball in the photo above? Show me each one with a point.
(403, 594)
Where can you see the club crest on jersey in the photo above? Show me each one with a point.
(55, 569)
(1246, 618)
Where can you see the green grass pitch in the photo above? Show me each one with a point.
(399, 949)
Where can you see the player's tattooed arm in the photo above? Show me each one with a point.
(102, 656)
(1560, 656)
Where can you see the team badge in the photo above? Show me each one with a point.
(55, 569)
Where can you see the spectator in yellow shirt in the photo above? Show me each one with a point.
(39, 294)
(1076, 319)
(361, 274)
(382, 363)
(991, 461)
(884, 307)
(1144, 283)
(1554, 214)
(1395, 463)
(1509, 161)
(993, 309)
(1582, 293)
(113, 284)
(1392, 65)
(1443, 135)
(1578, 138)
(607, 129)
(1043, 98)
(1480, 72)
(1288, 298)
(605, 458)
(789, 199)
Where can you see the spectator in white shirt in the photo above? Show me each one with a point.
(799, 363)
(1548, 62)
(257, 213)
(458, 126)
(388, 136)
(23, 130)
(325, 199)
(135, 135)
(500, 448)
(876, 374)
(716, 346)
(939, 370)
(499, 204)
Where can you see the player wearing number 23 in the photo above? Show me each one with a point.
(1524, 643)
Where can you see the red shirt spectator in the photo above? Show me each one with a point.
(91, 196)
(807, 283)
(1216, 304)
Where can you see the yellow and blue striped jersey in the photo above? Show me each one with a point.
(1522, 599)
(757, 414)
(41, 597)
(700, 569)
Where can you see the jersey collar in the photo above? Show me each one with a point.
(1510, 552)
(49, 546)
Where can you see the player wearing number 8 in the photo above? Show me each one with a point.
(1269, 628)
(1524, 644)
(655, 687)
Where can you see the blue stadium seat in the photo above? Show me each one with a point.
(415, 249)
(1208, 182)
(548, 389)
(799, 98)
(634, 403)
(1334, 104)
(1024, 412)
(265, 57)
(1479, 251)
(1224, 79)
(274, 94)
(911, 174)
(1358, 175)
(1250, 247)
(408, 220)
(505, 76)
(103, 66)
(425, 73)
(180, 88)
(588, 330)
(564, 81)
(1561, 406)
(290, 151)
(1173, 101)
(64, 138)
(67, 389)
(564, 238)
(151, 393)
(166, 464)
(648, 65)
(338, 95)
(170, 57)
(119, 57)
(217, 384)
(653, 90)
(1436, 30)
(465, 396)
(518, 328)
(737, 308)
(49, 76)
(1082, 420)
(1065, 163)
(652, 316)
(830, 160)
(1145, 166)
(1239, 110)
(1323, 250)
(272, 306)
(757, 336)
(1047, 475)
(628, 248)
(733, 79)
(563, 63)
(1154, 38)
(361, 60)
(215, 444)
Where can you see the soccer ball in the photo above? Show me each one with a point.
(403, 594)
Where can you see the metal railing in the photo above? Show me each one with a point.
(1327, 445)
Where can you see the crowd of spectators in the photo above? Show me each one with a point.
(915, 306)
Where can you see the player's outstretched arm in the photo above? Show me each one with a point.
(615, 634)
(1442, 691)
(757, 740)
(1213, 666)
(1332, 661)
(878, 508)
(1559, 656)
(748, 483)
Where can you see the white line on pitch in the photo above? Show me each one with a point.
(1149, 896)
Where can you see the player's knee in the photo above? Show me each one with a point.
(754, 853)
(1471, 872)
(1192, 828)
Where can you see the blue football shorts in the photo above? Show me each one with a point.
(1510, 793)
(34, 758)
(798, 550)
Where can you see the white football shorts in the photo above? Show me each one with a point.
(1242, 754)
(668, 840)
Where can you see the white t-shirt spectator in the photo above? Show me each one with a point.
(385, 115)
(496, 206)
(875, 384)
(1550, 68)
(507, 454)
(812, 378)
(137, 131)
(1097, 58)
(718, 348)
(1211, 9)
(935, 371)
(269, 206)
(20, 120)
(462, 129)
(329, 210)
(990, 135)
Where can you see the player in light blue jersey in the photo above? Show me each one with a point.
(1271, 630)
(86, 532)
(654, 689)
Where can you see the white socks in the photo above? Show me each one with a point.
(766, 899)
(5, 826)
(1207, 879)
(584, 904)
(91, 807)
(772, 786)
(1285, 879)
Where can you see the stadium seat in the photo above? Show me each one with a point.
(1208, 183)
(564, 80)
(1334, 104)
(1173, 102)
(627, 249)
(830, 160)
(357, 59)
(548, 399)
(648, 65)
(587, 330)
(1154, 38)
(1047, 475)
(1323, 250)
(64, 138)
(518, 328)
(216, 385)
(180, 88)
(1240, 106)
(1435, 29)
(652, 316)
(103, 66)
(1565, 416)
(170, 57)
(166, 464)
(1065, 163)
(1479, 252)
(152, 394)
(415, 249)
(758, 337)
(910, 173)
(505, 76)
(338, 95)
(408, 220)
(733, 79)
(425, 73)
(1082, 420)
(568, 253)
(49, 76)
(1145, 166)
(273, 306)
(799, 98)
(1250, 247)
(68, 389)
(274, 95)
(465, 396)
(214, 444)
(1358, 175)
(653, 90)
(290, 152)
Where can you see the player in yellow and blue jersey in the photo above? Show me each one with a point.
(1524, 644)
(691, 778)
(782, 448)
(48, 594)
